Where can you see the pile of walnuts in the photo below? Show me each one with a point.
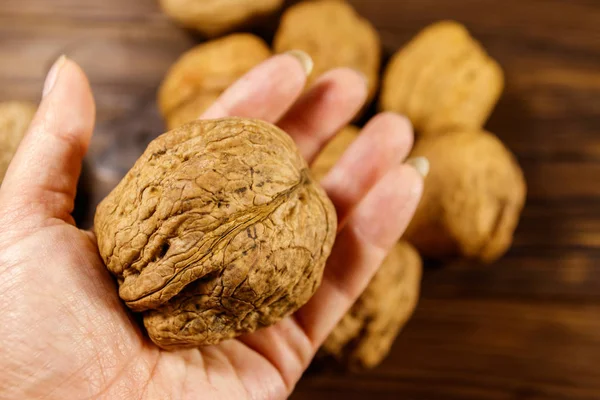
(221, 228)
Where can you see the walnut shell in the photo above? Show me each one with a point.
(217, 230)
(442, 80)
(15, 117)
(216, 17)
(364, 336)
(333, 151)
(334, 35)
(201, 74)
(472, 200)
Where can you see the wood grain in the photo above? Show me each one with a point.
(527, 327)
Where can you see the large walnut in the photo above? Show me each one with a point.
(216, 17)
(15, 117)
(200, 75)
(472, 199)
(334, 35)
(217, 230)
(364, 336)
(442, 80)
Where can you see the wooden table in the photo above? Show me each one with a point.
(527, 327)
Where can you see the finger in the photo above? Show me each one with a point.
(267, 91)
(255, 374)
(372, 229)
(285, 346)
(383, 143)
(44, 172)
(328, 106)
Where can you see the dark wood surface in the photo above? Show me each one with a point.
(527, 327)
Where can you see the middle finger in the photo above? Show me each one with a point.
(324, 109)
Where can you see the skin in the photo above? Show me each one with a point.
(64, 331)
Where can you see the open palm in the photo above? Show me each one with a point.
(66, 335)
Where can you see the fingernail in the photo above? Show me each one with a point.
(52, 76)
(421, 164)
(304, 59)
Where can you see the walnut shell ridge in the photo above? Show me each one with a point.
(442, 80)
(202, 74)
(216, 17)
(364, 336)
(216, 231)
(335, 36)
(15, 117)
(472, 199)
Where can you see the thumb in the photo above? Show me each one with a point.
(41, 181)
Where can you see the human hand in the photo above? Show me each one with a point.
(65, 334)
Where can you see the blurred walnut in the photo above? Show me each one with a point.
(472, 200)
(216, 17)
(200, 75)
(216, 231)
(334, 35)
(364, 336)
(442, 80)
(333, 151)
(15, 117)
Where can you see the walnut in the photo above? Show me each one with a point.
(200, 75)
(216, 17)
(364, 336)
(333, 151)
(442, 80)
(15, 117)
(217, 230)
(472, 199)
(334, 35)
